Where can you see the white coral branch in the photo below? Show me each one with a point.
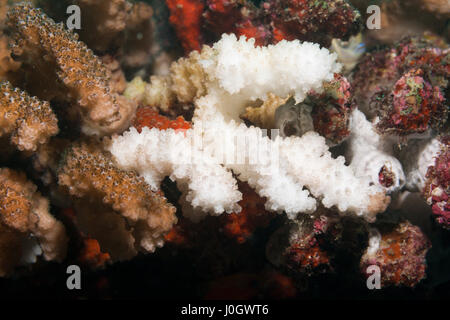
(369, 153)
(235, 73)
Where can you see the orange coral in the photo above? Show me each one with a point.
(92, 255)
(182, 233)
(148, 117)
(70, 72)
(27, 120)
(253, 215)
(186, 17)
(23, 213)
(143, 218)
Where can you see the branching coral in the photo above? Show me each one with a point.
(27, 120)
(24, 216)
(201, 138)
(181, 86)
(418, 158)
(122, 203)
(206, 184)
(59, 67)
(229, 72)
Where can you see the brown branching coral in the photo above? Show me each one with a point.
(27, 120)
(117, 205)
(182, 86)
(24, 213)
(59, 67)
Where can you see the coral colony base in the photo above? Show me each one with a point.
(255, 141)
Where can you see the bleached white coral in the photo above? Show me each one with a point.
(417, 158)
(155, 154)
(235, 73)
(370, 153)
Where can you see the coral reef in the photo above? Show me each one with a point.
(253, 157)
